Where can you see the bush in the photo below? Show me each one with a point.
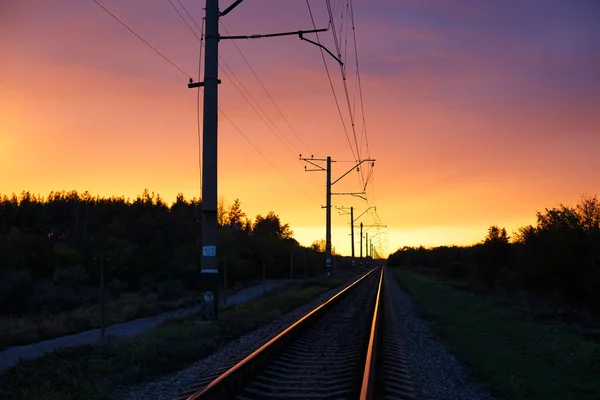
(70, 277)
(170, 289)
(15, 292)
(116, 288)
(55, 298)
(458, 269)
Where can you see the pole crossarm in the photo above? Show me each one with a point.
(315, 162)
(266, 35)
(375, 226)
(343, 210)
(311, 161)
(356, 194)
(364, 212)
(230, 8)
(321, 46)
(193, 84)
(352, 169)
(209, 269)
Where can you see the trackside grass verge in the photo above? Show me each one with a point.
(93, 372)
(18, 331)
(515, 359)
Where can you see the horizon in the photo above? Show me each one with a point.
(306, 238)
(478, 113)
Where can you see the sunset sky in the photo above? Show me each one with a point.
(478, 112)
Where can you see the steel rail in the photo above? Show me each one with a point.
(366, 390)
(227, 383)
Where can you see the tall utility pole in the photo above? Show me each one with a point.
(368, 248)
(314, 161)
(370, 243)
(361, 234)
(361, 238)
(209, 278)
(328, 219)
(351, 234)
(209, 273)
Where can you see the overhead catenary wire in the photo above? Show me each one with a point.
(257, 78)
(331, 82)
(190, 16)
(200, 38)
(265, 157)
(249, 98)
(362, 106)
(183, 19)
(267, 92)
(368, 182)
(141, 38)
(344, 80)
(281, 137)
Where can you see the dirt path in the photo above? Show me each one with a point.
(11, 355)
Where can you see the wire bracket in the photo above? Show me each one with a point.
(193, 84)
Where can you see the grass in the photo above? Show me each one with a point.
(34, 328)
(93, 372)
(18, 331)
(515, 359)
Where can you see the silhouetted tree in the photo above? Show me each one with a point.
(146, 245)
(556, 258)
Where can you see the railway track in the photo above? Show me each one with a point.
(347, 348)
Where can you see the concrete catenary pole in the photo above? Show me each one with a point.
(361, 245)
(209, 273)
(328, 222)
(352, 236)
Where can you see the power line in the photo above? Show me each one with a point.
(183, 19)
(189, 15)
(266, 91)
(248, 96)
(295, 150)
(142, 39)
(222, 112)
(343, 72)
(331, 82)
(337, 41)
(362, 104)
(265, 157)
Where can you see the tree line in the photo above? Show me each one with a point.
(51, 248)
(556, 259)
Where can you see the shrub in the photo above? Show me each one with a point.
(116, 288)
(15, 292)
(170, 289)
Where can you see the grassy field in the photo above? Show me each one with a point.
(17, 331)
(513, 357)
(93, 372)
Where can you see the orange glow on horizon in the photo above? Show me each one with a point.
(464, 137)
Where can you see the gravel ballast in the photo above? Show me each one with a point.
(435, 373)
(169, 386)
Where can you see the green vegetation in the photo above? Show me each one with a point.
(93, 372)
(555, 264)
(517, 359)
(52, 249)
(15, 331)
